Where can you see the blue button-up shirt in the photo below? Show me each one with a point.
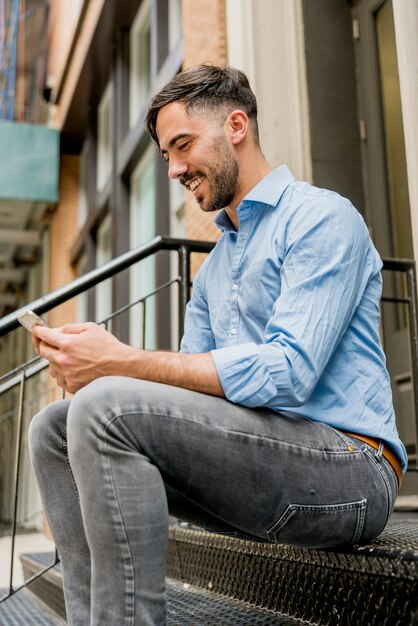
(288, 306)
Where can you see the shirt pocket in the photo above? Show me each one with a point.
(320, 526)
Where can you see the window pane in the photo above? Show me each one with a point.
(104, 139)
(142, 229)
(174, 23)
(103, 255)
(83, 193)
(394, 134)
(82, 297)
(140, 62)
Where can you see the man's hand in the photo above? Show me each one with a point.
(78, 353)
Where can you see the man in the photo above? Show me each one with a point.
(276, 418)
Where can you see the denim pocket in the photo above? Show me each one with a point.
(320, 526)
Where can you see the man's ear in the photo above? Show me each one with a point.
(237, 125)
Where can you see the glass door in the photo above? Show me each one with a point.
(386, 185)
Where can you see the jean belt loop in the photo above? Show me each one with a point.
(379, 452)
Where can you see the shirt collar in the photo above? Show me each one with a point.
(267, 191)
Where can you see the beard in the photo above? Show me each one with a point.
(221, 178)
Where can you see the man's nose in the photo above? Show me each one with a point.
(176, 168)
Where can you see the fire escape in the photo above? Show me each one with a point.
(9, 18)
(23, 32)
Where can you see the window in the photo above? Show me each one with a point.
(176, 208)
(104, 139)
(177, 229)
(103, 255)
(77, 4)
(82, 311)
(83, 206)
(175, 28)
(142, 229)
(140, 57)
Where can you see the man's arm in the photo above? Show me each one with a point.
(327, 268)
(79, 353)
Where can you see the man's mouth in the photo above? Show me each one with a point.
(193, 184)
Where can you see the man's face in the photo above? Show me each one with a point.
(199, 155)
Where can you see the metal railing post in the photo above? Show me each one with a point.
(184, 291)
(17, 473)
(408, 267)
(411, 286)
(144, 312)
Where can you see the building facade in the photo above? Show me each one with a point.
(337, 86)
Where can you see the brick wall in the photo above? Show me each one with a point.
(204, 32)
(63, 230)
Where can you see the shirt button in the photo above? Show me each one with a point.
(234, 331)
(234, 287)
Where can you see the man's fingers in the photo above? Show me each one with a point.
(57, 374)
(55, 370)
(75, 329)
(46, 335)
(35, 343)
(49, 352)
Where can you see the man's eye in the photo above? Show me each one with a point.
(184, 146)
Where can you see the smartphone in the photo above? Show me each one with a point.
(28, 319)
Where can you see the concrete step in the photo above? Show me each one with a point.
(47, 587)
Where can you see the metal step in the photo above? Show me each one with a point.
(191, 606)
(24, 608)
(216, 579)
(186, 605)
(372, 585)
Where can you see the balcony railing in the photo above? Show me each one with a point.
(15, 382)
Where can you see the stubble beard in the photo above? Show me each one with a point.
(222, 179)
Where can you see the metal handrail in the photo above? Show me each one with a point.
(19, 375)
(411, 284)
(90, 279)
(408, 267)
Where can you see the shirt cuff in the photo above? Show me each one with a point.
(244, 376)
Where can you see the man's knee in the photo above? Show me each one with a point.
(91, 409)
(95, 407)
(47, 427)
(107, 397)
(92, 415)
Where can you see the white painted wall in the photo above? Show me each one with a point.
(266, 41)
(405, 14)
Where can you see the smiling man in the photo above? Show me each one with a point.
(275, 420)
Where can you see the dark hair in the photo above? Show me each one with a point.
(205, 88)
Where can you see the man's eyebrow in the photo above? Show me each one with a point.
(174, 140)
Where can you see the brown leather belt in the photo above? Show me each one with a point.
(387, 453)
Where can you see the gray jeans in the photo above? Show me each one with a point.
(123, 453)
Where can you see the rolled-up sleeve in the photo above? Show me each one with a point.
(325, 270)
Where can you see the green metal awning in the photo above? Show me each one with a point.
(29, 179)
(29, 163)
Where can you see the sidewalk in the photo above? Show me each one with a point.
(25, 542)
(406, 503)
